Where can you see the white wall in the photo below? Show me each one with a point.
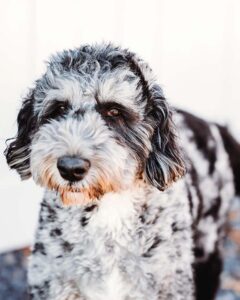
(193, 46)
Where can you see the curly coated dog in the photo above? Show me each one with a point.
(136, 194)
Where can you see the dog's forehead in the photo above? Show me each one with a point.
(84, 90)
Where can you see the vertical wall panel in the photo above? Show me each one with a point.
(19, 201)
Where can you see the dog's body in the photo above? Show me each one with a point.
(140, 232)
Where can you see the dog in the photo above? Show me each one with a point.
(136, 192)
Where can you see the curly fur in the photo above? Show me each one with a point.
(143, 231)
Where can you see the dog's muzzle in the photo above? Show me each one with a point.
(73, 168)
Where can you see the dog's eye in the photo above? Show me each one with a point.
(56, 109)
(114, 112)
(62, 108)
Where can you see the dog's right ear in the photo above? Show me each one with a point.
(18, 151)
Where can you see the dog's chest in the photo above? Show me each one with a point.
(107, 248)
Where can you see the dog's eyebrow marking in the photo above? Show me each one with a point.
(115, 87)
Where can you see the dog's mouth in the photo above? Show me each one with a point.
(71, 196)
(76, 194)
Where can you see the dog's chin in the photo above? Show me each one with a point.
(83, 196)
(74, 198)
(70, 196)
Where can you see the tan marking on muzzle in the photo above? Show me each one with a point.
(84, 196)
(79, 196)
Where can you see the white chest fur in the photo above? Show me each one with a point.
(123, 248)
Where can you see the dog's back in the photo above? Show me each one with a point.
(213, 178)
(233, 149)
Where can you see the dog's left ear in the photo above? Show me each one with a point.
(164, 164)
(18, 151)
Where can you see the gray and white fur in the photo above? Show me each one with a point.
(155, 185)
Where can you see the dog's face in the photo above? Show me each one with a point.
(95, 122)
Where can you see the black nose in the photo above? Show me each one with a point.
(73, 168)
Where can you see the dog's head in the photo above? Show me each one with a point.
(96, 121)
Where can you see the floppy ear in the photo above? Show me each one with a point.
(164, 164)
(18, 151)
